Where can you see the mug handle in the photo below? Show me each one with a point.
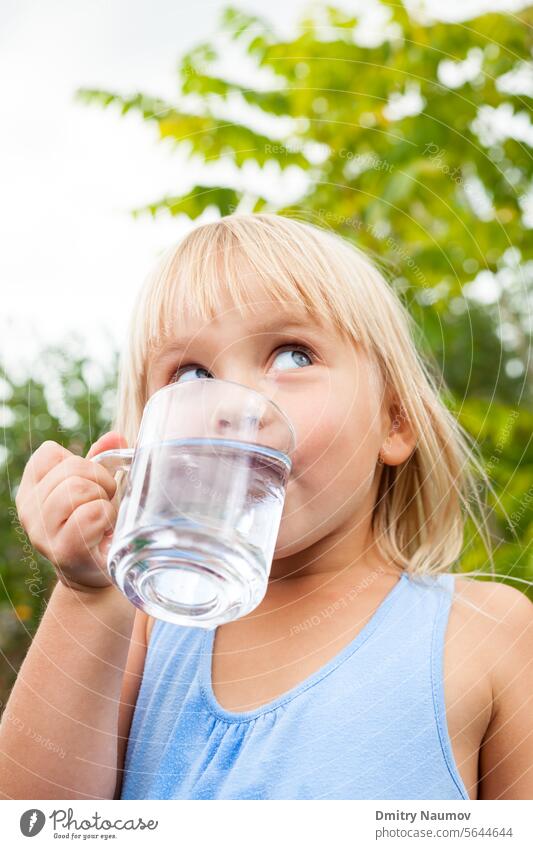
(115, 460)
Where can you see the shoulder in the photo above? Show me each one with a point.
(501, 625)
(496, 603)
(495, 606)
(502, 618)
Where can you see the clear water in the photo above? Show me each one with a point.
(197, 528)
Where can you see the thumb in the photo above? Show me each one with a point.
(109, 440)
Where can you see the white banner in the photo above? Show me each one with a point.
(257, 824)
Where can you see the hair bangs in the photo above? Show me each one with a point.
(218, 260)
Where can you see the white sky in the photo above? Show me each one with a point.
(72, 257)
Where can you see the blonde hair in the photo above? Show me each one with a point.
(422, 505)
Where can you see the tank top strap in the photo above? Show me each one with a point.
(410, 652)
(416, 624)
(447, 583)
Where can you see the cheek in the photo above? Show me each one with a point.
(333, 473)
(341, 439)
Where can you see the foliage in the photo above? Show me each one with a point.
(394, 147)
(72, 409)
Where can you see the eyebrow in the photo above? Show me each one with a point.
(276, 324)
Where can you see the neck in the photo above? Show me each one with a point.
(339, 558)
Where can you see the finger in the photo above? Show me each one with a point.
(47, 455)
(105, 545)
(106, 442)
(67, 496)
(86, 527)
(77, 467)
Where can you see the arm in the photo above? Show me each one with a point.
(130, 689)
(58, 736)
(66, 699)
(506, 754)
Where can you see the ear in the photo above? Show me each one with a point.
(400, 441)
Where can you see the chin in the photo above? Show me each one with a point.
(293, 540)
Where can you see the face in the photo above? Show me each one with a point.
(330, 391)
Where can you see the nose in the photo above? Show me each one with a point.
(237, 410)
(231, 420)
(236, 414)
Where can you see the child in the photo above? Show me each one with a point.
(369, 670)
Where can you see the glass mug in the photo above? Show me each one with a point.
(198, 522)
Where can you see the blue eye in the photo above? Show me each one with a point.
(193, 369)
(291, 361)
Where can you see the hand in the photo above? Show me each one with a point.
(64, 503)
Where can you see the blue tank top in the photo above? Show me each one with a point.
(369, 724)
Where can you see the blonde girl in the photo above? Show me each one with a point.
(370, 670)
